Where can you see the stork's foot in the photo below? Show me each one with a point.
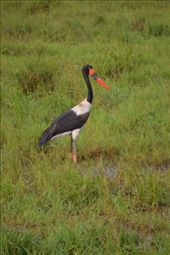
(74, 158)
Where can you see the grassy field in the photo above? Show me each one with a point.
(50, 205)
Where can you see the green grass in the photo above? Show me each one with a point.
(50, 205)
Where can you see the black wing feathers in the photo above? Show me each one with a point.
(68, 121)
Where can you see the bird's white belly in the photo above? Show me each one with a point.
(82, 108)
(73, 133)
(62, 134)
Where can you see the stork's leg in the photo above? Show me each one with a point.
(74, 151)
(74, 136)
(71, 149)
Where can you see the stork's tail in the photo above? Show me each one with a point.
(45, 137)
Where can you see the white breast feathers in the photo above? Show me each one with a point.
(82, 108)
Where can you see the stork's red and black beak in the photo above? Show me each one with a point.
(93, 74)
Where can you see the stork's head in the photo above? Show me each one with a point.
(88, 70)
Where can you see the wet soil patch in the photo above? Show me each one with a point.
(107, 154)
(163, 166)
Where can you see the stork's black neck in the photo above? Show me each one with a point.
(89, 87)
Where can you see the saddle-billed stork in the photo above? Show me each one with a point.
(71, 121)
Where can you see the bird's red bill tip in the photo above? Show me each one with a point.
(102, 83)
